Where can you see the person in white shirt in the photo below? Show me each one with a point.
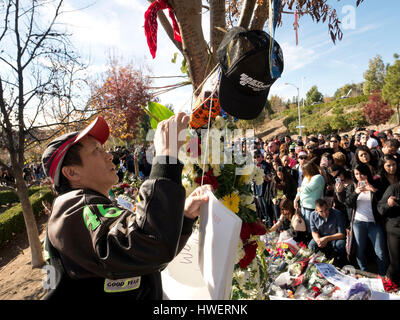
(361, 197)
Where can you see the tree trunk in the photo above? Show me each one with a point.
(195, 49)
(398, 114)
(30, 221)
(260, 16)
(247, 12)
(217, 19)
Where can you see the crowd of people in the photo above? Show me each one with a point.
(339, 194)
(124, 159)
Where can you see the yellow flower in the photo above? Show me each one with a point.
(231, 201)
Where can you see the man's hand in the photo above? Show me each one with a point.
(323, 241)
(194, 201)
(166, 142)
(392, 201)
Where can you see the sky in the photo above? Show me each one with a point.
(100, 27)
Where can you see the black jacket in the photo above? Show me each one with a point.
(383, 208)
(349, 198)
(98, 247)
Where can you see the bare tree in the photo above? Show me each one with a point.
(37, 69)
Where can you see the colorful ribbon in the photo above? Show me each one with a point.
(296, 26)
(274, 10)
(151, 25)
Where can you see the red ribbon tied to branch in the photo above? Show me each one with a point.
(296, 26)
(151, 25)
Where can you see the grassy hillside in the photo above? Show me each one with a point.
(325, 118)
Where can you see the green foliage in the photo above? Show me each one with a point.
(12, 220)
(374, 76)
(157, 113)
(313, 95)
(8, 196)
(391, 87)
(356, 89)
(316, 121)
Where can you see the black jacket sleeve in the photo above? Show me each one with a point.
(107, 241)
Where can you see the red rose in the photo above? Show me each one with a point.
(258, 228)
(245, 232)
(317, 291)
(208, 178)
(250, 250)
(389, 285)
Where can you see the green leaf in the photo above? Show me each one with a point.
(158, 113)
(184, 67)
(173, 60)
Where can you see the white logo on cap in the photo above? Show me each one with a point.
(255, 85)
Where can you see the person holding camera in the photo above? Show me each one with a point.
(389, 208)
(360, 196)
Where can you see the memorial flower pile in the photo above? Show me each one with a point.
(221, 162)
(128, 189)
(293, 274)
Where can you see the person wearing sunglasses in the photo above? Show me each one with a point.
(302, 160)
(334, 143)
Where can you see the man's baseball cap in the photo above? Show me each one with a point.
(246, 71)
(56, 150)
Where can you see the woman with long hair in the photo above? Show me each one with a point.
(311, 189)
(389, 173)
(361, 198)
(287, 211)
(363, 155)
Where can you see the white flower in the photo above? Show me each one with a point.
(252, 207)
(219, 123)
(258, 175)
(239, 252)
(246, 199)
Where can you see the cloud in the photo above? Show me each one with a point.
(297, 57)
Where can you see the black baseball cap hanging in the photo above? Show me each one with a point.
(248, 71)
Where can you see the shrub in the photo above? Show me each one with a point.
(8, 196)
(12, 220)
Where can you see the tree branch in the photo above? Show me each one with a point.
(260, 16)
(247, 12)
(217, 20)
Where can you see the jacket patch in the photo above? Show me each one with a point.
(121, 285)
(92, 221)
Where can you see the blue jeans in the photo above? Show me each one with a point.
(363, 231)
(306, 214)
(337, 246)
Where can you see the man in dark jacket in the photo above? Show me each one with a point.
(97, 249)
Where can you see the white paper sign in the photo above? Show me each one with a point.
(344, 282)
(218, 241)
(182, 279)
(335, 277)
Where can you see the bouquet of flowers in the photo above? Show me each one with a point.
(208, 160)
